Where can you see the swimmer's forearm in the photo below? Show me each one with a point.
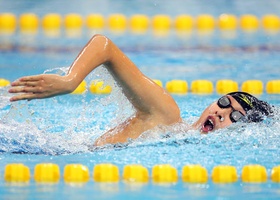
(95, 53)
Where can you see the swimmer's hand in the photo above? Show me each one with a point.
(40, 86)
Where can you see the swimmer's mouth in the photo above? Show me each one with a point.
(208, 125)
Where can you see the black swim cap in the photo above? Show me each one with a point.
(255, 109)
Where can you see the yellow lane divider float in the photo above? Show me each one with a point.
(270, 22)
(224, 174)
(223, 86)
(47, 173)
(177, 86)
(4, 82)
(106, 173)
(194, 174)
(249, 22)
(98, 87)
(202, 87)
(135, 173)
(164, 174)
(227, 22)
(73, 21)
(226, 86)
(161, 22)
(117, 22)
(28, 22)
(51, 21)
(273, 87)
(254, 174)
(160, 174)
(31, 21)
(95, 21)
(77, 173)
(8, 23)
(16, 172)
(184, 23)
(205, 22)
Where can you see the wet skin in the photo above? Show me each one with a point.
(153, 105)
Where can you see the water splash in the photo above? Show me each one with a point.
(65, 124)
(70, 124)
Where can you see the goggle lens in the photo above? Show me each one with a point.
(235, 115)
(224, 102)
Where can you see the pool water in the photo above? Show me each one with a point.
(62, 130)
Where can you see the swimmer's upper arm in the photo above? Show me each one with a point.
(143, 93)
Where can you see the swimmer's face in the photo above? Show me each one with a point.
(214, 117)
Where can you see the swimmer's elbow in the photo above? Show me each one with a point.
(106, 47)
(175, 117)
(102, 41)
(172, 116)
(100, 38)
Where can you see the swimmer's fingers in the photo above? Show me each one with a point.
(32, 84)
(26, 96)
(27, 93)
(24, 83)
(32, 78)
(25, 89)
(27, 81)
(41, 86)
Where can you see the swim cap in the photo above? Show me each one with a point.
(255, 109)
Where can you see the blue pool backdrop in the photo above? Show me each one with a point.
(61, 130)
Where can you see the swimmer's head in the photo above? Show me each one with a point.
(230, 108)
(256, 110)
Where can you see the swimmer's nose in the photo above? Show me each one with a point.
(221, 115)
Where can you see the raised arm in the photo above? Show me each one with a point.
(153, 105)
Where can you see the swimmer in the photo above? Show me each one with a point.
(153, 105)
